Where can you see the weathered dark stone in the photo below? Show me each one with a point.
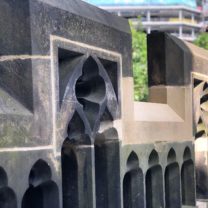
(169, 60)
(68, 135)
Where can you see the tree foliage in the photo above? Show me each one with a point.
(202, 40)
(139, 56)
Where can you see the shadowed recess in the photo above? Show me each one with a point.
(133, 189)
(197, 82)
(171, 156)
(7, 196)
(188, 183)
(106, 121)
(90, 90)
(133, 184)
(3, 178)
(132, 161)
(204, 96)
(76, 126)
(107, 169)
(187, 154)
(69, 176)
(67, 62)
(111, 68)
(39, 173)
(153, 158)
(90, 86)
(108, 135)
(91, 111)
(76, 131)
(154, 187)
(201, 129)
(172, 186)
(42, 192)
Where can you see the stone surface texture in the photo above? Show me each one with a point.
(70, 133)
(200, 100)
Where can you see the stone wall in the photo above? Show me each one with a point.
(70, 133)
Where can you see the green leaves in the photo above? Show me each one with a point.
(139, 56)
(202, 40)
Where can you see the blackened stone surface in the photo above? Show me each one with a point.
(95, 92)
(169, 60)
(90, 12)
(61, 64)
(36, 20)
(172, 186)
(26, 51)
(144, 152)
(60, 67)
(18, 166)
(15, 38)
(16, 80)
(107, 174)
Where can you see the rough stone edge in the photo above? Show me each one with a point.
(86, 10)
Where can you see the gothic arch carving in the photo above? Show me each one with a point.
(172, 181)
(43, 191)
(133, 184)
(188, 179)
(7, 195)
(154, 182)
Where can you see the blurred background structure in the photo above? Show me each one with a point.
(186, 19)
(182, 18)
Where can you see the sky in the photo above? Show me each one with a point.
(191, 3)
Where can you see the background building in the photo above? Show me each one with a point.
(181, 18)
